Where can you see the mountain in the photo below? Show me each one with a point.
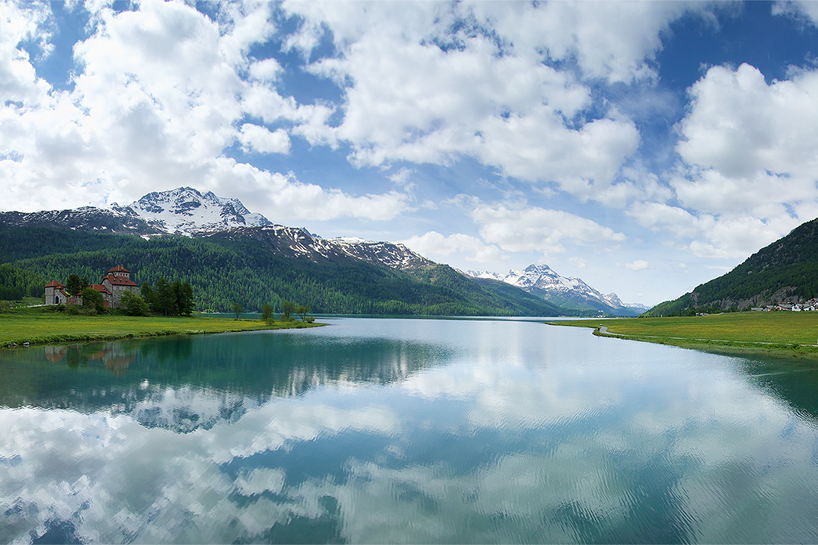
(187, 212)
(295, 243)
(231, 255)
(784, 271)
(183, 211)
(542, 281)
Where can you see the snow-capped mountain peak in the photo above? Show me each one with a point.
(185, 211)
(543, 281)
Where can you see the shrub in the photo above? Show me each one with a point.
(92, 299)
(134, 305)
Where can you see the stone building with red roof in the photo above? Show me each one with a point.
(55, 293)
(116, 282)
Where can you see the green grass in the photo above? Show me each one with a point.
(790, 333)
(35, 326)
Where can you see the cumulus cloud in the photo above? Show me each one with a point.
(401, 177)
(18, 79)
(739, 126)
(707, 235)
(474, 249)
(638, 265)
(526, 229)
(159, 93)
(260, 139)
(285, 198)
(611, 41)
(415, 90)
(748, 171)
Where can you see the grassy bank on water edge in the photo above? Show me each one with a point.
(775, 333)
(34, 326)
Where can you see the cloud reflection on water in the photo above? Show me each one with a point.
(599, 440)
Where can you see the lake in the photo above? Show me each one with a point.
(405, 431)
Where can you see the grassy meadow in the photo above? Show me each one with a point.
(780, 333)
(33, 325)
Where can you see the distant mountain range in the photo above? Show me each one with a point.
(784, 271)
(231, 255)
(566, 292)
(187, 212)
(291, 258)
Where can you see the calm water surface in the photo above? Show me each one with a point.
(391, 430)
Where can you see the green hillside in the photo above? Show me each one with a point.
(786, 270)
(223, 270)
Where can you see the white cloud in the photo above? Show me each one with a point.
(608, 40)
(525, 229)
(726, 236)
(285, 198)
(748, 172)
(401, 177)
(637, 265)
(474, 249)
(415, 92)
(741, 127)
(158, 97)
(266, 70)
(797, 9)
(260, 139)
(18, 79)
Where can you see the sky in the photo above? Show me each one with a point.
(645, 147)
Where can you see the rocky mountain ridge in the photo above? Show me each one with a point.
(294, 242)
(182, 211)
(187, 212)
(544, 282)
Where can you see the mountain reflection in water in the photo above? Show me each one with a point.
(154, 380)
(404, 431)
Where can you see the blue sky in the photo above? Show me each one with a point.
(645, 147)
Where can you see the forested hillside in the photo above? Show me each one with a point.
(786, 270)
(223, 270)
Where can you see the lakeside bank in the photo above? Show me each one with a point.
(34, 326)
(787, 334)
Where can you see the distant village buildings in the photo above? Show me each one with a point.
(116, 282)
(811, 305)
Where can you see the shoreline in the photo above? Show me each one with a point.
(716, 346)
(130, 328)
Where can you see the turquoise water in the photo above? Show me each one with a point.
(405, 431)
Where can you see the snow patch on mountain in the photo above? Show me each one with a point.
(545, 282)
(300, 243)
(186, 211)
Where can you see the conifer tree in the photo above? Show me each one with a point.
(183, 296)
(165, 301)
(73, 286)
